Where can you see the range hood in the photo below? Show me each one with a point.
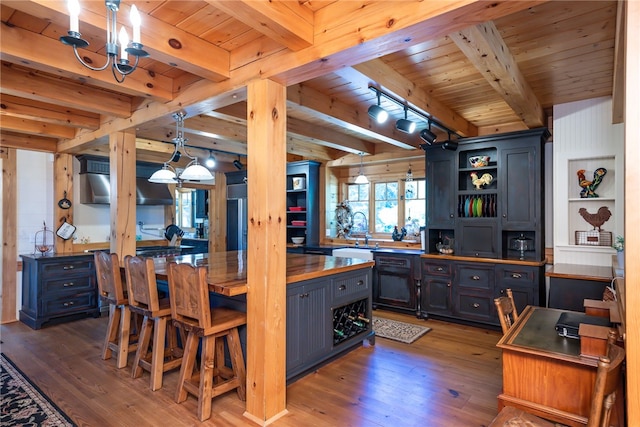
(95, 188)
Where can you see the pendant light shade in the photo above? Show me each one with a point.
(361, 179)
(164, 176)
(196, 172)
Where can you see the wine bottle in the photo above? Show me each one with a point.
(338, 332)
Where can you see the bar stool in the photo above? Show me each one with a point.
(189, 295)
(119, 336)
(144, 300)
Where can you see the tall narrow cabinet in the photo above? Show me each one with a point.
(303, 201)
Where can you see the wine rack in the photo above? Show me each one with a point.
(349, 320)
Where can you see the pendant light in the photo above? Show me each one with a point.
(361, 179)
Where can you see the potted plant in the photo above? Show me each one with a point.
(618, 245)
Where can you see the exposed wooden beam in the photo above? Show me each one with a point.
(353, 117)
(156, 36)
(485, 48)
(382, 75)
(12, 106)
(288, 23)
(27, 142)
(49, 55)
(32, 127)
(353, 160)
(47, 89)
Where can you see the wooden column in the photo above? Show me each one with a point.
(632, 209)
(266, 252)
(62, 188)
(122, 171)
(9, 237)
(218, 214)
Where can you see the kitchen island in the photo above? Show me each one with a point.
(328, 301)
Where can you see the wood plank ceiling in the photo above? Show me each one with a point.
(476, 67)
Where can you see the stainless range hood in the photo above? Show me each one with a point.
(95, 188)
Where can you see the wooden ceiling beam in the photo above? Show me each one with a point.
(487, 51)
(32, 127)
(46, 54)
(38, 87)
(378, 73)
(288, 23)
(353, 117)
(22, 108)
(27, 142)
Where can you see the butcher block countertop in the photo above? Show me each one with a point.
(227, 271)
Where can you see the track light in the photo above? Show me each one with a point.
(361, 179)
(377, 113)
(211, 161)
(428, 136)
(238, 165)
(449, 144)
(405, 125)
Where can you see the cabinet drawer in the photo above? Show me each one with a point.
(350, 287)
(78, 266)
(473, 276)
(393, 262)
(475, 306)
(72, 283)
(69, 304)
(516, 275)
(436, 268)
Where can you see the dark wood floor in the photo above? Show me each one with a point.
(449, 377)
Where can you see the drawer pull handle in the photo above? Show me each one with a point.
(475, 278)
(67, 304)
(439, 269)
(476, 305)
(360, 282)
(342, 287)
(68, 267)
(516, 276)
(66, 285)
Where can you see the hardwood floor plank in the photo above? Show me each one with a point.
(449, 377)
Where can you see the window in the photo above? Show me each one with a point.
(392, 200)
(185, 208)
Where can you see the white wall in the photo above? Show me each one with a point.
(585, 138)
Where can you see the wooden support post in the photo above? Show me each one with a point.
(122, 171)
(62, 189)
(9, 234)
(266, 252)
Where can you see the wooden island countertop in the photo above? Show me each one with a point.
(227, 271)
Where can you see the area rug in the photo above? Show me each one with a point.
(23, 403)
(398, 331)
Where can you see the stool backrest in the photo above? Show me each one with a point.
(507, 312)
(141, 283)
(608, 379)
(189, 295)
(109, 277)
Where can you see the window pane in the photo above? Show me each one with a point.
(381, 190)
(392, 191)
(359, 202)
(386, 216)
(415, 207)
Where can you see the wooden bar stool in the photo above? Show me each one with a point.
(144, 300)
(507, 312)
(120, 337)
(189, 295)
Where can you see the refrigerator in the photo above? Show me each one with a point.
(236, 212)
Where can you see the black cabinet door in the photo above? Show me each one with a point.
(441, 204)
(202, 203)
(518, 188)
(435, 289)
(478, 238)
(394, 282)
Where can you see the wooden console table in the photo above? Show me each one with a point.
(544, 373)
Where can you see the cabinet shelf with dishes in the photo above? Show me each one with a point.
(303, 203)
(591, 202)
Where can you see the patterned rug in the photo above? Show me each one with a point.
(398, 331)
(22, 402)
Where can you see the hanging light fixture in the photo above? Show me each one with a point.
(193, 171)
(120, 64)
(211, 161)
(377, 113)
(427, 135)
(405, 125)
(361, 179)
(409, 176)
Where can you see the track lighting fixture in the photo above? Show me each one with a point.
(361, 179)
(238, 165)
(449, 144)
(428, 136)
(377, 113)
(405, 125)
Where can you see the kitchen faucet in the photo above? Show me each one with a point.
(366, 228)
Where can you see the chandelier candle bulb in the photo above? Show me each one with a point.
(124, 41)
(74, 11)
(134, 16)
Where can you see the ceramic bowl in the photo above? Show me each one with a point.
(479, 161)
(297, 240)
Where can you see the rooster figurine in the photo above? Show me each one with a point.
(589, 187)
(485, 179)
(596, 219)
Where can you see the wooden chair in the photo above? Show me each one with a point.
(190, 309)
(155, 313)
(608, 378)
(119, 337)
(507, 312)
